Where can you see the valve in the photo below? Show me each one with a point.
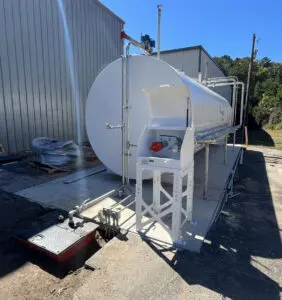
(157, 146)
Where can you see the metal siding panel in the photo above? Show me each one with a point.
(28, 82)
(80, 59)
(3, 116)
(58, 69)
(40, 68)
(6, 99)
(52, 70)
(68, 66)
(46, 67)
(36, 87)
(61, 16)
(88, 78)
(75, 82)
(13, 74)
(214, 71)
(185, 61)
(21, 72)
(33, 61)
(84, 66)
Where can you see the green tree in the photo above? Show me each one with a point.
(265, 87)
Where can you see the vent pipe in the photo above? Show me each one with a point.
(159, 29)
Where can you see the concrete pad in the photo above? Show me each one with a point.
(65, 196)
(58, 194)
(131, 270)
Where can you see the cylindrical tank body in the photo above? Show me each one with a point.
(104, 105)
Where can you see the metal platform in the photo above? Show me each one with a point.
(65, 196)
(55, 238)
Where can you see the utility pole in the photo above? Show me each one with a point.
(247, 102)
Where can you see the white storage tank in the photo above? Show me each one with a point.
(209, 110)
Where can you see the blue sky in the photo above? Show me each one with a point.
(221, 26)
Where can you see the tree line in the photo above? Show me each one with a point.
(265, 101)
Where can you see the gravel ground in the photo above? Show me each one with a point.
(241, 258)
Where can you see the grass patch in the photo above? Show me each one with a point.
(266, 138)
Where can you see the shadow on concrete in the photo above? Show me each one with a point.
(240, 250)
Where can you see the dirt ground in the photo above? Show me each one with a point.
(241, 259)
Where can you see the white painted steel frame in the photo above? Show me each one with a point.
(174, 206)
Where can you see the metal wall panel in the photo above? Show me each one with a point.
(214, 71)
(50, 53)
(191, 61)
(185, 61)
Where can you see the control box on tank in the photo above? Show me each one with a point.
(163, 139)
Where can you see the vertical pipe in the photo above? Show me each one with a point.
(126, 108)
(233, 101)
(242, 104)
(235, 105)
(241, 157)
(159, 29)
(206, 171)
(122, 117)
(122, 109)
(206, 70)
(200, 77)
(225, 151)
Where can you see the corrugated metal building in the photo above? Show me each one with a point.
(50, 53)
(192, 61)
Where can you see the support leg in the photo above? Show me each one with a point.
(225, 151)
(234, 139)
(207, 151)
(177, 205)
(242, 156)
(189, 196)
(157, 191)
(139, 197)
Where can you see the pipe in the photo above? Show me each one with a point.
(200, 77)
(133, 42)
(85, 205)
(206, 171)
(242, 102)
(118, 203)
(224, 81)
(225, 150)
(125, 107)
(127, 205)
(122, 118)
(236, 101)
(242, 98)
(223, 78)
(127, 142)
(159, 30)
(206, 70)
